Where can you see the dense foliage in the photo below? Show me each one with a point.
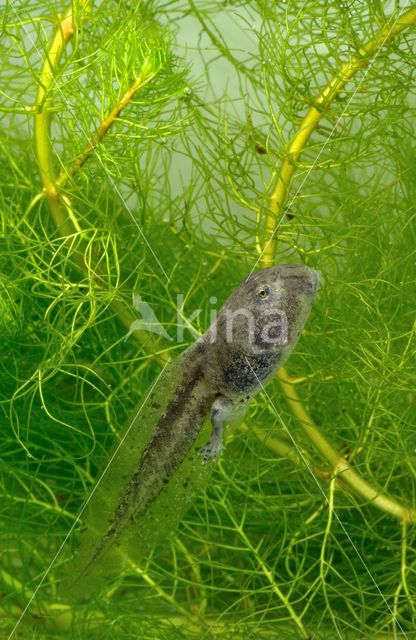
(172, 200)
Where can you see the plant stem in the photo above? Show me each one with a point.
(283, 449)
(67, 173)
(276, 202)
(270, 576)
(341, 468)
(62, 213)
(311, 120)
(60, 617)
(51, 184)
(43, 119)
(57, 617)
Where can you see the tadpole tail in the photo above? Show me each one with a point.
(160, 460)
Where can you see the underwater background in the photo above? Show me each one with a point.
(164, 150)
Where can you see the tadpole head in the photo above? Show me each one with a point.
(267, 285)
(268, 310)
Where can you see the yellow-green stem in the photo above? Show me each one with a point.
(51, 184)
(61, 617)
(43, 118)
(311, 120)
(276, 202)
(339, 463)
(67, 173)
(270, 576)
(61, 212)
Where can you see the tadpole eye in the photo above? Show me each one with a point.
(263, 292)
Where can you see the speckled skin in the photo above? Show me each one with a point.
(219, 373)
(238, 368)
(238, 365)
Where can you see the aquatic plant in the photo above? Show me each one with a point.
(135, 163)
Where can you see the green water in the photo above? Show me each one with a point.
(305, 527)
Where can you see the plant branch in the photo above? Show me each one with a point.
(43, 119)
(51, 186)
(311, 120)
(322, 102)
(341, 468)
(142, 79)
(59, 204)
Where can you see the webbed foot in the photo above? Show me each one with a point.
(210, 451)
